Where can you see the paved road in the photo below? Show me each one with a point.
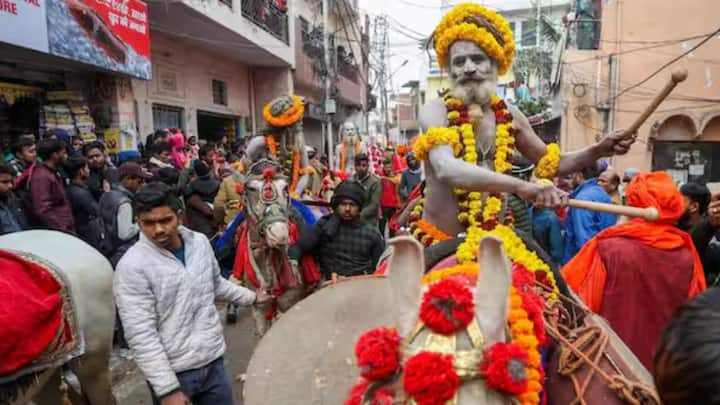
(131, 388)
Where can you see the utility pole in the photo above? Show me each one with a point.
(329, 102)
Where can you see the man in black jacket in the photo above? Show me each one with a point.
(83, 203)
(12, 216)
(342, 242)
(102, 174)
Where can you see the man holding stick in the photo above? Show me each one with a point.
(638, 273)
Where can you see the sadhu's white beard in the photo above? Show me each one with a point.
(475, 93)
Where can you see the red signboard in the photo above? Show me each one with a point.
(110, 34)
(128, 19)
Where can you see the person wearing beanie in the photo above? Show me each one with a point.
(370, 212)
(342, 242)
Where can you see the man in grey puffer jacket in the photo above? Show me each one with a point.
(165, 289)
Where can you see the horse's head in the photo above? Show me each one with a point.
(267, 202)
(421, 311)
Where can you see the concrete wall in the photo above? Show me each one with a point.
(182, 77)
(626, 29)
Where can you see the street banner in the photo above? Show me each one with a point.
(23, 23)
(110, 34)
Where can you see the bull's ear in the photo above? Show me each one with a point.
(405, 271)
(493, 288)
(256, 148)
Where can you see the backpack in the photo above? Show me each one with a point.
(98, 237)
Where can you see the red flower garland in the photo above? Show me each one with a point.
(430, 378)
(381, 396)
(378, 353)
(447, 307)
(504, 366)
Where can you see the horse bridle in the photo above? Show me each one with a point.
(273, 211)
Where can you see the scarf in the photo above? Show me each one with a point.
(586, 272)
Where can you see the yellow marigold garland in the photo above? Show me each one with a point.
(434, 137)
(471, 32)
(547, 166)
(287, 118)
(446, 34)
(271, 145)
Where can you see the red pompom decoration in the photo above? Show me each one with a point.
(381, 396)
(504, 366)
(447, 307)
(430, 378)
(378, 353)
(240, 188)
(269, 173)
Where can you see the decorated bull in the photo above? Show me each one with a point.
(56, 310)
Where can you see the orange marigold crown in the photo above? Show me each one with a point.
(475, 23)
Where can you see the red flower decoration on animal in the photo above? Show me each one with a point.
(504, 366)
(269, 174)
(378, 353)
(447, 307)
(430, 378)
(381, 396)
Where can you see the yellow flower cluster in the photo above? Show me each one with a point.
(548, 165)
(434, 137)
(523, 333)
(446, 34)
(514, 248)
(493, 205)
(289, 117)
(504, 143)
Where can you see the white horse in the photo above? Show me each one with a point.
(90, 277)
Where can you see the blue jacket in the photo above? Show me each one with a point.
(581, 225)
(548, 233)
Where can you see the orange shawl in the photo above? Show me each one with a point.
(586, 272)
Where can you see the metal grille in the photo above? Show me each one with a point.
(167, 117)
(269, 16)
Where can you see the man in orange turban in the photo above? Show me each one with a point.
(638, 273)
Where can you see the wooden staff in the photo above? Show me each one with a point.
(649, 214)
(678, 75)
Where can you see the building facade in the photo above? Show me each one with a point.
(348, 70)
(607, 88)
(215, 64)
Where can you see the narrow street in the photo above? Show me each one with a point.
(130, 388)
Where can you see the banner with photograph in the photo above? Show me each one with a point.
(111, 34)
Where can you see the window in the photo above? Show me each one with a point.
(512, 27)
(219, 90)
(167, 117)
(529, 33)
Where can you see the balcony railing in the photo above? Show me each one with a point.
(347, 70)
(270, 15)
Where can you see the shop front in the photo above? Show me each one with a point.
(64, 68)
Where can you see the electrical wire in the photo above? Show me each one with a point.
(670, 62)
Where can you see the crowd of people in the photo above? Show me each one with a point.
(117, 206)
